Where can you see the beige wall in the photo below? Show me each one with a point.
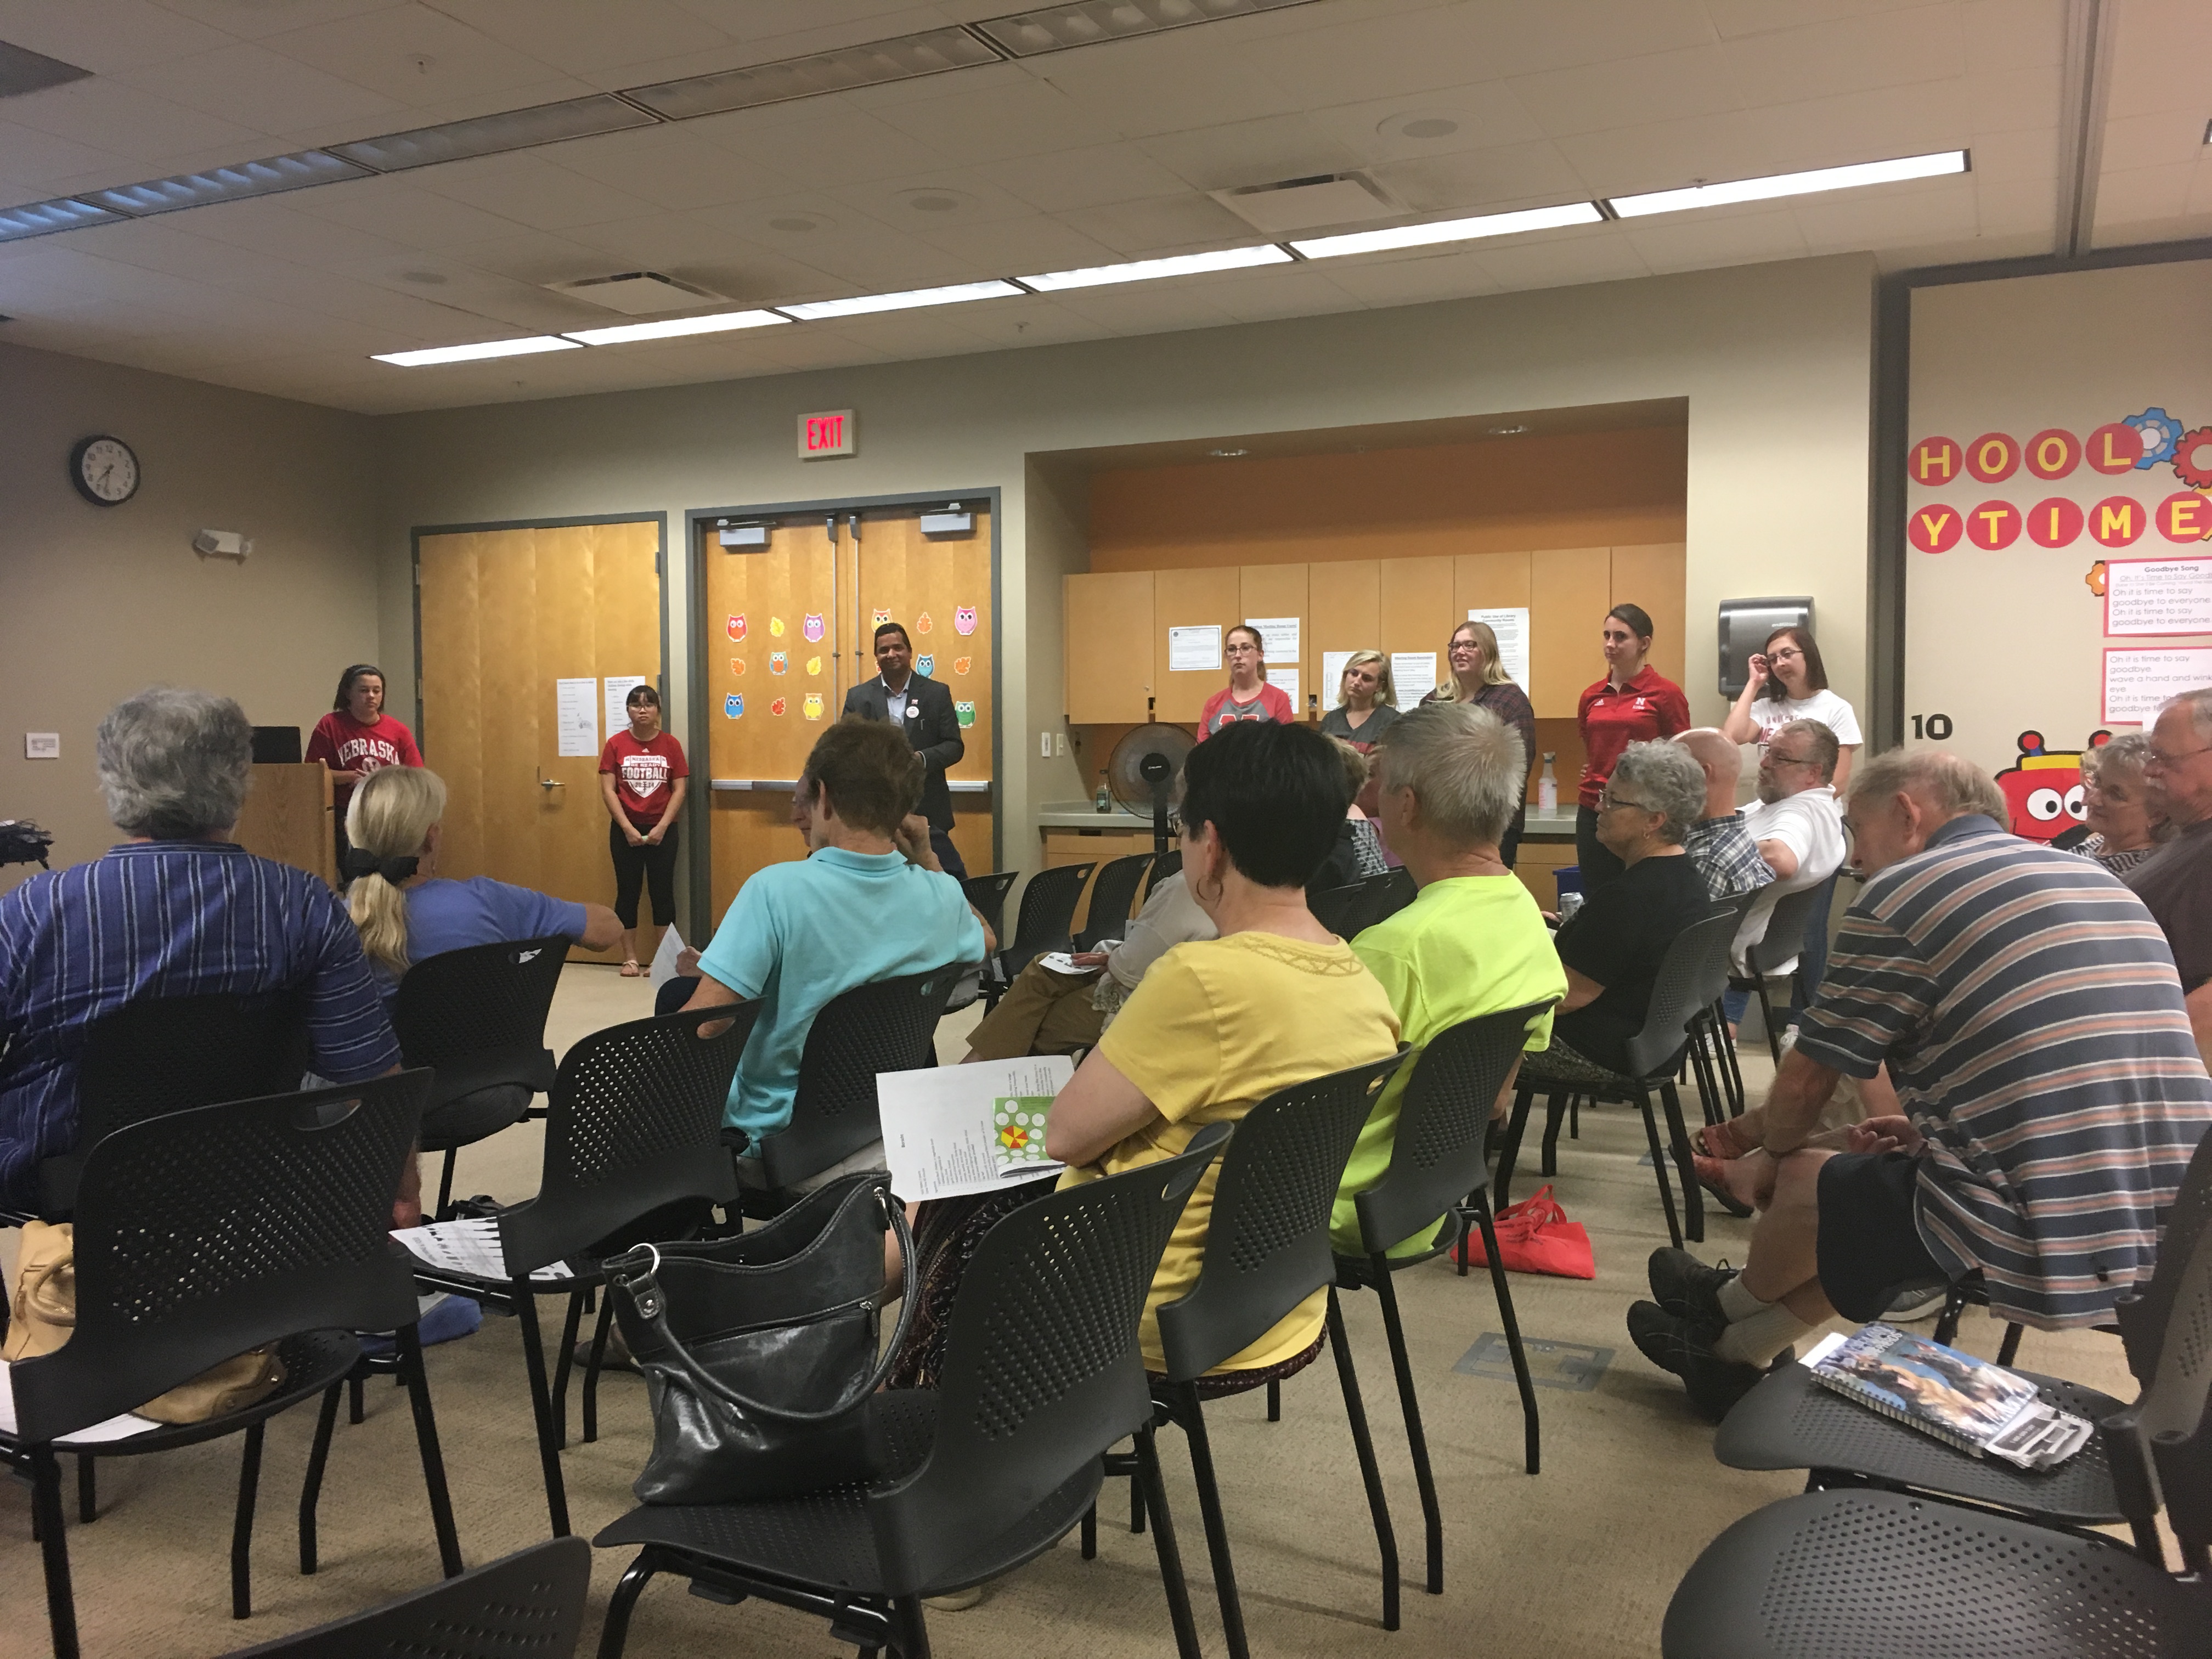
(97, 602)
(1775, 360)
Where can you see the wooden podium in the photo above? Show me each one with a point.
(287, 818)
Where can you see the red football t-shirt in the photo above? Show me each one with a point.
(643, 772)
(344, 745)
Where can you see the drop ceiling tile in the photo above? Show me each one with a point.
(1889, 215)
(2143, 193)
(1525, 39)
(530, 190)
(1015, 246)
(2158, 59)
(678, 242)
(400, 211)
(1736, 19)
(137, 123)
(1861, 126)
(1416, 281)
(254, 20)
(1629, 92)
(1482, 114)
(1162, 224)
(274, 227)
(1701, 239)
(108, 38)
(2143, 141)
(908, 335)
(1376, 57)
(412, 55)
(2016, 157)
(664, 166)
(1147, 307)
(1014, 323)
(42, 160)
(2006, 209)
(793, 25)
(829, 149)
(2009, 100)
(1250, 153)
(1266, 296)
(998, 124)
(1670, 154)
(2025, 245)
(1484, 180)
(259, 88)
(1598, 253)
(2012, 34)
(586, 37)
(1856, 54)
(1063, 180)
(933, 201)
(1172, 83)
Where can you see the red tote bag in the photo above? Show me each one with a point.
(1535, 1237)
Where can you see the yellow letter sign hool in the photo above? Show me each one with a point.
(828, 433)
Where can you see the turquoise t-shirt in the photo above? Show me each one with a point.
(1468, 945)
(799, 934)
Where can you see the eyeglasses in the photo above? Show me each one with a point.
(2159, 758)
(1606, 800)
(1785, 654)
(1773, 759)
(1243, 650)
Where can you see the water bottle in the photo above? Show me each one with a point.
(1103, 801)
(1548, 789)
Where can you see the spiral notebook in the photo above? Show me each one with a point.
(1984, 1410)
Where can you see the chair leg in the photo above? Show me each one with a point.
(606, 1319)
(311, 1489)
(1946, 1323)
(2009, 1350)
(1659, 1166)
(1163, 1545)
(1371, 1476)
(444, 1212)
(1090, 1533)
(1409, 1402)
(912, 1641)
(1136, 1506)
(1766, 1019)
(1731, 1069)
(1275, 1400)
(1574, 1117)
(241, 1530)
(1693, 1195)
(1532, 1436)
(1554, 1109)
(562, 1363)
(1510, 1153)
(46, 1508)
(615, 1630)
(87, 1489)
(541, 1406)
(354, 1413)
(1191, 1415)
(410, 1345)
(1701, 1063)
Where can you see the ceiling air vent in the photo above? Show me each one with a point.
(1299, 204)
(638, 292)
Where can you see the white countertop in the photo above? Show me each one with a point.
(1082, 815)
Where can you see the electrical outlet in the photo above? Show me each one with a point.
(1044, 745)
(1059, 743)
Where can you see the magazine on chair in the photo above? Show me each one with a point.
(1982, 1409)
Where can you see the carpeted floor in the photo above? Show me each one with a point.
(1580, 1560)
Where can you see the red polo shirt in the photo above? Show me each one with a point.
(1649, 706)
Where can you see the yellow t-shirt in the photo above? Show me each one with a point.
(1214, 1028)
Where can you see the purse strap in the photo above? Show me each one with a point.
(650, 1304)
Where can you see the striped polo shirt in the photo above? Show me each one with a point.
(164, 919)
(2027, 1008)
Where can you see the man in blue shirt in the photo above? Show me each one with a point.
(177, 910)
(873, 902)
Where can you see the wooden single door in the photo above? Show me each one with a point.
(506, 616)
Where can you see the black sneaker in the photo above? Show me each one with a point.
(1683, 1284)
(1673, 1344)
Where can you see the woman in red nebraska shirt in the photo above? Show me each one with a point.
(357, 738)
(642, 780)
(1632, 703)
(1248, 696)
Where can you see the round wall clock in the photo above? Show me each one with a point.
(103, 470)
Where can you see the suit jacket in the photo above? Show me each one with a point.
(931, 726)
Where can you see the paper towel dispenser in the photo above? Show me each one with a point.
(1745, 625)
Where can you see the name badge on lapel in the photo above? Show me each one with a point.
(913, 713)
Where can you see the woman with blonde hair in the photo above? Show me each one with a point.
(406, 912)
(1366, 701)
(2125, 826)
(1478, 675)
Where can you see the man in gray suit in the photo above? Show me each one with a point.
(923, 709)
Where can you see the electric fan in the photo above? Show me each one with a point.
(1142, 772)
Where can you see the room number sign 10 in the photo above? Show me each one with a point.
(1937, 726)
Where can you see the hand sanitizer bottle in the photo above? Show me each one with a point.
(1103, 801)
(1548, 789)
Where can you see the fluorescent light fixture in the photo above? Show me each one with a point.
(496, 134)
(44, 218)
(1791, 184)
(1451, 230)
(482, 348)
(188, 190)
(1086, 22)
(861, 305)
(1146, 270)
(879, 62)
(718, 322)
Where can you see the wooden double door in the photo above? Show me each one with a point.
(787, 630)
(509, 618)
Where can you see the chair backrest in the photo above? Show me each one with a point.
(1687, 982)
(1436, 1158)
(2168, 1422)
(634, 1123)
(1339, 908)
(1113, 896)
(172, 1053)
(1267, 1236)
(1394, 889)
(886, 1026)
(2145, 1314)
(1784, 937)
(529, 1605)
(1041, 1371)
(476, 1016)
(203, 1233)
(987, 893)
(1164, 865)
(1047, 912)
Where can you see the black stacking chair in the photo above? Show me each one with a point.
(1437, 1170)
(1266, 1250)
(1396, 890)
(632, 1152)
(987, 893)
(1785, 938)
(529, 1605)
(1164, 865)
(476, 1018)
(1113, 897)
(200, 1235)
(1683, 988)
(890, 1025)
(1339, 909)
(1047, 915)
(170, 1055)
(1875, 1573)
(1042, 1376)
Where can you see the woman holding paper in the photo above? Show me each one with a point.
(1478, 675)
(1248, 696)
(643, 778)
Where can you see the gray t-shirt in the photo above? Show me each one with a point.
(2175, 885)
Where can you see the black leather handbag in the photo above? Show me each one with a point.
(760, 1351)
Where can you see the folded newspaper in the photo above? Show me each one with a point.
(949, 1130)
(1984, 1410)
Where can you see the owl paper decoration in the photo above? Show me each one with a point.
(814, 665)
(811, 627)
(733, 705)
(779, 706)
(882, 617)
(737, 629)
(778, 661)
(921, 623)
(966, 711)
(925, 665)
(961, 665)
(964, 619)
(812, 709)
(775, 627)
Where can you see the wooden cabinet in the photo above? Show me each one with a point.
(1108, 644)
(1570, 590)
(1654, 577)
(1346, 610)
(1191, 598)
(1415, 602)
(1271, 591)
(1489, 581)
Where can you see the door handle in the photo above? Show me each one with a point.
(545, 783)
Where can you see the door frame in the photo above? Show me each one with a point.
(697, 727)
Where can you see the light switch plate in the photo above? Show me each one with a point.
(1044, 745)
(1059, 743)
(42, 745)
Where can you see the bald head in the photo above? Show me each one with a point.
(1721, 761)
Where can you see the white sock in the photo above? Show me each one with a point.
(1737, 1303)
(1756, 1330)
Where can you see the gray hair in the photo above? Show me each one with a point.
(1464, 765)
(2129, 749)
(2199, 705)
(174, 764)
(1670, 780)
(1825, 749)
(1946, 781)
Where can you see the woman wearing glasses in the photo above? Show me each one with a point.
(1478, 677)
(1789, 682)
(2125, 826)
(1248, 696)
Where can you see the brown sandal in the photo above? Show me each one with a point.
(631, 970)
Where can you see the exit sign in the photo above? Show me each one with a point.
(828, 433)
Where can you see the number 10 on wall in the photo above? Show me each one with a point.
(1935, 726)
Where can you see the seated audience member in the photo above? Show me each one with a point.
(1718, 843)
(177, 910)
(2177, 884)
(871, 902)
(1358, 854)
(1214, 1027)
(677, 989)
(1473, 941)
(1799, 829)
(1612, 948)
(1045, 1011)
(2034, 1032)
(406, 912)
(2125, 828)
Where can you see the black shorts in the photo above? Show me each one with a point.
(1869, 1243)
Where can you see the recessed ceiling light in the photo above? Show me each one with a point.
(1505, 431)
(44, 218)
(296, 172)
(874, 63)
(861, 305)
(1055, 28)
(482, 348)
(795, 222)
(1451, 230)
(672, 328)
(1417, 125)
(1228, 454)
(1792, 184)
(1145, 270)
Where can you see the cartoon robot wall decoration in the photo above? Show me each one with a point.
(2044, 790)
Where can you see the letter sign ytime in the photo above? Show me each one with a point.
(828, 433)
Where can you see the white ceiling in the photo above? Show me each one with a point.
(1083, 157)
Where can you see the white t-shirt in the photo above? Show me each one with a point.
(1810, 824)
(1826, 706)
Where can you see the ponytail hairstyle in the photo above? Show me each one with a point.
(388, 822)
(342, 703)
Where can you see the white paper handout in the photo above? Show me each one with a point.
(115, 1428)
(618, 688)
(577, 709)
(468, 1246)
(1193, 649)
(1414, 675)
(1331, 677)
(1511, 624)
(954, 1129)
(1286, 680)
(1278, 637)
(664, 959)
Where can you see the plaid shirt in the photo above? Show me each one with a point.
(1726, 856)
(164, 919)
